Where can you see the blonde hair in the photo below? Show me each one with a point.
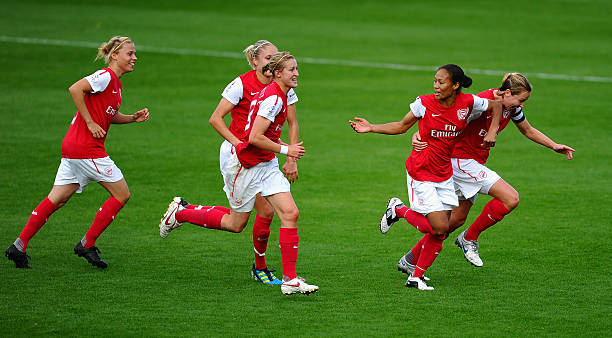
(516, 82)
(277, 62)
(253, 50)
(112, 46)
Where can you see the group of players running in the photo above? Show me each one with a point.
(445, 171)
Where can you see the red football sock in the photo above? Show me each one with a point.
(415, 219)
(416, 249)
(431, 248)
(288, 240)
(204, 207)
(261, 233)
(39, 217)
(492, 213)
(106, 214)
(209, 218)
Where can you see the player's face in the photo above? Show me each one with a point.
(263, 58)
(125, 57)
(511, 102)
(288, 76)
(443, 85)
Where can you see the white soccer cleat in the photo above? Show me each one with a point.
(470, 249)
(407, 268)
(298, 285)
(417, 282)
(390, 216)
(168, 222)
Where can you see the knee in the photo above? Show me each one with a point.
(123, 198)
(512, 202)
(236, 227)
(291, 215)
(266, 211)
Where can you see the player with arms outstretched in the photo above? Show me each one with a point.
(441, 117)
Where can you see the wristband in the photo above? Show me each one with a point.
(284, 150)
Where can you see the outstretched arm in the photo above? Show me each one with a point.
(362, 125)
(539, 137)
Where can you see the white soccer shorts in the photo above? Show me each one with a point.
(241, 185)
(84, 170)
(472, 178)
(426, 197)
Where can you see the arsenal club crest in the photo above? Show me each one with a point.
(462, 113)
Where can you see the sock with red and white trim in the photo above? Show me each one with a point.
(208, 217)
(415, 219)
(431, 248)
(39, 217)
(492, 213)
(106, 214)
(261, 234)
(288, 241)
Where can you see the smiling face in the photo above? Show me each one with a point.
(124, 59)
(287, 77)
(444, 88)
(511, 102)
(263, 58)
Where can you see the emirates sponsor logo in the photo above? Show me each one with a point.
(462, 113)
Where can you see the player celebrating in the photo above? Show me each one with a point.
(236, 99)
(97, 98)
(471, 175)
(442, 117)
(253, 169)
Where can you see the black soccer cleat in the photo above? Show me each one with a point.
(20, 258)
(91, 255)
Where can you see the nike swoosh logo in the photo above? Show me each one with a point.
(434, 115)
(114, 92)
(293, 285)
(253, 93)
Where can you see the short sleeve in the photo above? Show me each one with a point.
(270, 107)
(99, 80)
(417, 108)
(233, 92)
(291, 97)
(480, 106)
(518, 115)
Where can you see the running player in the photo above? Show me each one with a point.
(473, 177)
(253, 169)
(442, 117)
(97, 98)
(236, 99)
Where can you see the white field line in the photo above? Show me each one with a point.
(347, 63)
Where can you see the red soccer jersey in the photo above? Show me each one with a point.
(440, 127)
(469, 145)
(271, 104)
(102, 103)
(241, 92)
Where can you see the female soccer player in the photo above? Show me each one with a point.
(442, 117)
(253, 169)
(97, 98)
(473, 177)
(236, 99)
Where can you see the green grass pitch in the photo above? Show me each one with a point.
(547, 266)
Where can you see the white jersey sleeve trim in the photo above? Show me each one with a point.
(234, 90)
(292, 97)
(417, 108)
(99, 80)
(270, 107)
(480, 106)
